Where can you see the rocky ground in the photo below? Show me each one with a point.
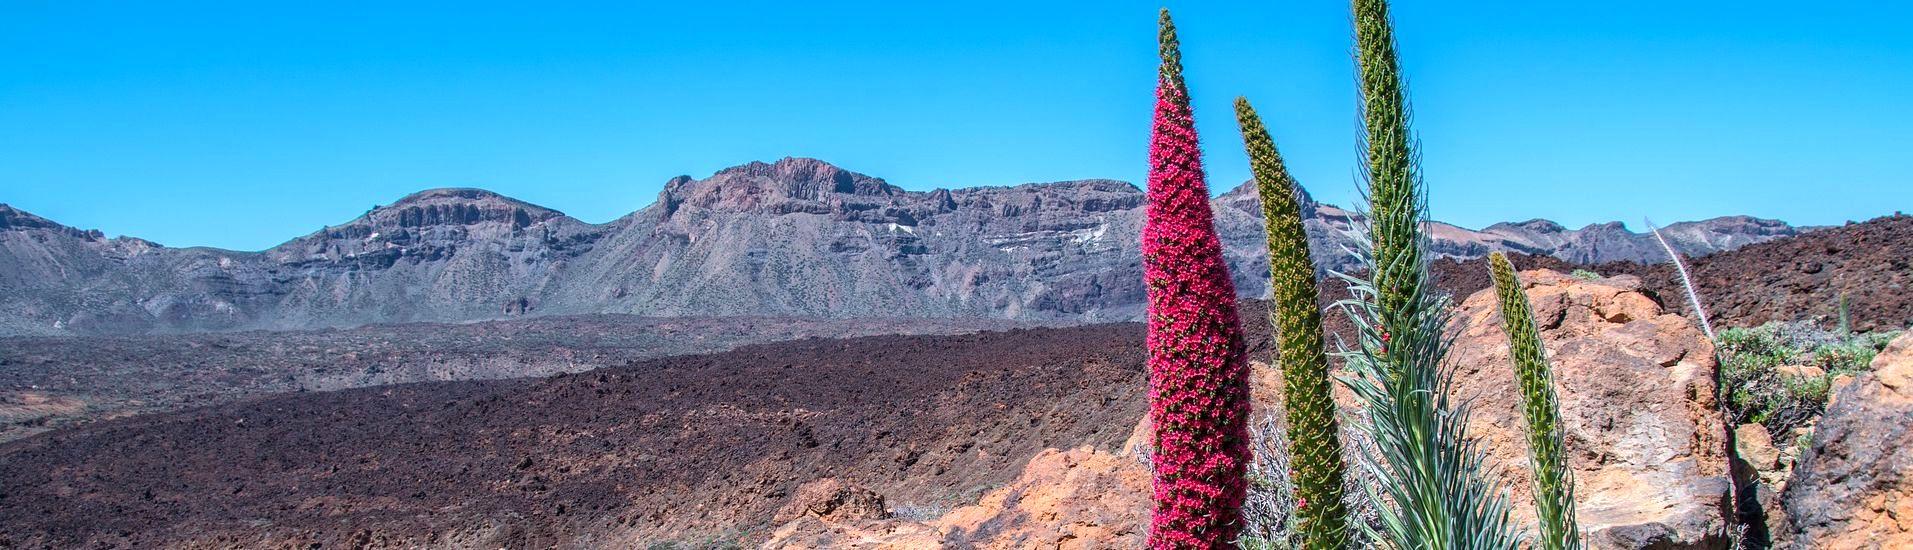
(1805, 278)
(1654, 464)
(685, 448)
(1854, 486)
(54, 382)
(1638, 404)
(1799, 278)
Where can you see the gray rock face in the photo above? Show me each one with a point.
(55, 278)
(806, 238)
(1612, 241)
(794, 237)
(438, 255)
(1854, 486)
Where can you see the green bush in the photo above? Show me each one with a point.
(1758, 389)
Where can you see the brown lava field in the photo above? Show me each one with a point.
(694, 446)
(54, 382)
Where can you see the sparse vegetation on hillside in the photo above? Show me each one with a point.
(1780, 375)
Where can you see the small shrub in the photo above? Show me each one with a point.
(1853, 353)
(714, 543)
(1586, 275)
(1753, 386)
(1268, 514)
(911, 511)
(1757, 389)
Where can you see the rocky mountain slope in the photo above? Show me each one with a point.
(1867, 265)
(794, 237)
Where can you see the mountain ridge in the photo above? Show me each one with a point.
(1243, 192)
(797, 236)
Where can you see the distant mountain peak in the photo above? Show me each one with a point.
(1248, 189)
(16, 219)
(11, 217)
(1248, 198)
(456, 205)
(808, 175)
(468, 193)
(1538, 225)
(1243, 190)
(790, 184)
(471, 195)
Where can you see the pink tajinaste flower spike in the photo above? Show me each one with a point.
(1198, 379)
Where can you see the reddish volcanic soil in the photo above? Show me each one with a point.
(1791, 279)
(697, 446)
(49, 383)
(1802, 278)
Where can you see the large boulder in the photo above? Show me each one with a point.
(1079, 498)
(1636, 390)
(832, 500)
(1065, 499)
(1854, 486)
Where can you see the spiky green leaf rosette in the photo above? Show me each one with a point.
(1432, 471)
(1315, 446)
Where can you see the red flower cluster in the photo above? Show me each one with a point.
(1198, 379)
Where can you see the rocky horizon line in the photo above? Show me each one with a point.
(13, 216)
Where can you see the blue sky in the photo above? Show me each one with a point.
(242, 125)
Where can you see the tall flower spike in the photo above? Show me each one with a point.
(1432, 471)
(1315, 445)
(1395, 199)
(1198, 380)
(1547, 454)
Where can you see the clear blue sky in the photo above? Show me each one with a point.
(242, 125)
